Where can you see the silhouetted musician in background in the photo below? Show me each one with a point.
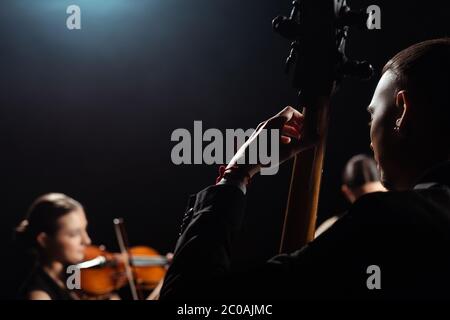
(359, 177)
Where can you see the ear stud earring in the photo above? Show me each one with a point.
(397, 125)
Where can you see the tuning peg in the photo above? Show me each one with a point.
(348, 17)
(358, 69)
(288, 27)
(292, 56)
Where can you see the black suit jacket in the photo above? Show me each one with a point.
(406, 234)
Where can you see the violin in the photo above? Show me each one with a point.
(103, 272)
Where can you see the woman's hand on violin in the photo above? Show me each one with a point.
(120, 258)
(288, 124)
(169, 257)
(154, 295)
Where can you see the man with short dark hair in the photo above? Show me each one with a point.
(389, 245)
(359, 177)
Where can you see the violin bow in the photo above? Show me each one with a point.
(123, 245)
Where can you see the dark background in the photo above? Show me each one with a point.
(90, 112)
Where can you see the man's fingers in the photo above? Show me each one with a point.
(291, 114)
(288, 116)
(285, 139)
(291, 131)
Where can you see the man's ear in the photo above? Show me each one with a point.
(403, 104)
(42, 239)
